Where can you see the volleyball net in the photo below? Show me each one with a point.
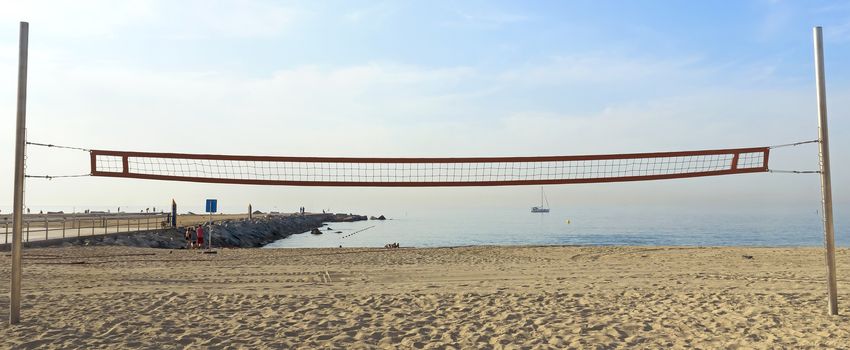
(427, 172)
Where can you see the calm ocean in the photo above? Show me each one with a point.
(621, 226)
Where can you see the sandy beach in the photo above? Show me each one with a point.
(461, 298)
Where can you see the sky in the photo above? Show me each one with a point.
(429, 79)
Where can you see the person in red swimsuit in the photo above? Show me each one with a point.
(200, 234)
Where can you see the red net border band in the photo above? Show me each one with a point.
(126, 173)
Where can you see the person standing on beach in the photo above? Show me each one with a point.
(200, 234)
(188, 236)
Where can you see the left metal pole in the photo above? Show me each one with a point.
(20, 145)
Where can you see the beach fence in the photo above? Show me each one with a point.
(40, 227)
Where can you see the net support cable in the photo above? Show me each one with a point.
(48, 145)
(795, 171)
(51, 177)
(427, 172)
(794, 144)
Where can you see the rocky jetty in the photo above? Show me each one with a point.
(229, 234)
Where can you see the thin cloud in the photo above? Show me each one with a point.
(181, 19)
(376, 12)
(227, 19)
(778, 16)
(477, 18)
(65, 18)
(599, 68)
(493, 18)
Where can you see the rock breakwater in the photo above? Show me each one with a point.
(226, 234)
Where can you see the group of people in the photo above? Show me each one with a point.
(301, 210)
(391, 245)
(194, 237)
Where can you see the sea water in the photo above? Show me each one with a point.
(588, 226)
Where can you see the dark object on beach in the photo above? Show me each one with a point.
(377, 218)
(329, 228)
(391, 245)
(750, 257)
(316, 231)
(338, 232)
(210, 252)
(256, 212)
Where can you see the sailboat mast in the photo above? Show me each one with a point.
(544, 202)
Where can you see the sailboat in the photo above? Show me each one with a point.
(541, 208)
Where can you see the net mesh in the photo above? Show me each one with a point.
(412, 172)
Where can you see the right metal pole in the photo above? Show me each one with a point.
(826, 182)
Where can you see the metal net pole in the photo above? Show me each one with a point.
(826, 182)
(20, 145)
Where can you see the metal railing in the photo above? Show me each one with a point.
(38, 227)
